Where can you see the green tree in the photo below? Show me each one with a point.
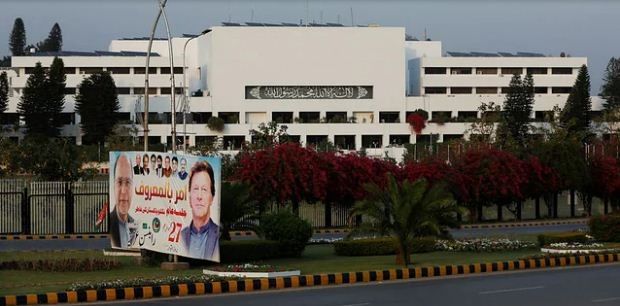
(97, 104)
(406, 211)
(32, 104)
(611, 86)
(53, 42)
(4, 92)
(268, 135)
(240, 210)
(576, 113)
(55, 102)
(5, 61)
(517, 109)
(17, 42)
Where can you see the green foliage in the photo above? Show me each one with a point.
(289, 230)
(546, 239)
(517, 109)
(485, 125)
(43, 100)
(611, 85)
(215, 124)
(422, 113)
(575, 116)
(268, 135)
(53, 42)
(61, 265)
(4, 92)
(238, 209)
(381, 246)
(406, 210)
(249, 250)
(48, 158)
(606, 228)
(17, 41)
(5, 61)
(97, 104)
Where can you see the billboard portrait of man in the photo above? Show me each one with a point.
(120, 220)
(201, 237)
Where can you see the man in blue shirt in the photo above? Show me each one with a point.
(201, 237)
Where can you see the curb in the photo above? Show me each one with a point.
(53, 237)
(523, 224)
(248, 285)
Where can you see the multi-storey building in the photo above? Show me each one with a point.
(353, 86)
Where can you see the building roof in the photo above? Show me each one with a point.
(94, 53)
(495, 54)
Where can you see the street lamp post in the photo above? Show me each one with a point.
(186, 88)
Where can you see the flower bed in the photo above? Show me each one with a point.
(141, 282)
(250, 270)
(482, 245)
(579, 248)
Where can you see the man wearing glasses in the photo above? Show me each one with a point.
(121, 223)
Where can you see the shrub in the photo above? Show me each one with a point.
(216, 124)
(606, 228)
(289, 230)
(545, 239)
(61, 265)
(141, 282)
(380, 246)
(482, 245)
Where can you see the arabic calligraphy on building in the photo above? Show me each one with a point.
(308, 92)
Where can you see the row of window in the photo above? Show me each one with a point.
(127, 90)
(492, 90)
(495, 71)
(115, 70)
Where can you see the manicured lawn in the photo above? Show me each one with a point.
(316, 259)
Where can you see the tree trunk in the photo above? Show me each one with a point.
(537, 206)
(572, 203)
(328, 214)
(555, 205)
(519, 210)
(500, 213)
(479, 207)
(402, 254)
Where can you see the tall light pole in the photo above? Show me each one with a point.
(186, 88)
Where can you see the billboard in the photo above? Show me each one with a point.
(165, 202)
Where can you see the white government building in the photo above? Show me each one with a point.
(353, 86)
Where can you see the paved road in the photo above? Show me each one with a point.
(13, 245)
(594, 285)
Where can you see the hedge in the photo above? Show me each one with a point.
(546, 239)
(606, 228)
(380, 246)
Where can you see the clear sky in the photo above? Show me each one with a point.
(578, 27)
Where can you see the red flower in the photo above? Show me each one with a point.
(416, 122)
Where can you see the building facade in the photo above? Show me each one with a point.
(352, 86)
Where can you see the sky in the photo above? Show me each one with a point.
(577, 27)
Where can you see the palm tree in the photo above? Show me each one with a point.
(405, 211)
(238, 209)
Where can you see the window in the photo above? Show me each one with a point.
(467, 116)
(140, 90)
(229, 117)
(166, 70)
(435, 90)
(486, 70)
(118, 70)
(205, 140)
(505, 90)
(426, 139)
(452, 137)
(314, 140)
(346, 142)
(179, 139)
(29, 70)
(561, 90)
(233, 142)
(309, 117)
(460, 70)
(336, 117)
(537, 70)
(435, 70)
(512, 70)
(561, 70)
(399, 140)
(389, 117)
(282, 117)
(543, 116)
(122, 90)
(200, 117)
(540, 90)
(141, 70)
(69, 90)
(460, 90)
(441, 117)
(123, 117)
(178, 70)
(486, 90)
(372, 141)
(294, 138)
(90, 70)
(69, 70)
(167, 90)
